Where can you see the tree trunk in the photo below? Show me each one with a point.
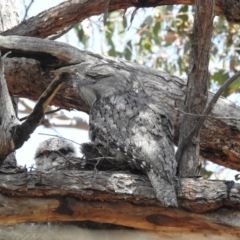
(8, 15)
(187, 154)
(8, 120)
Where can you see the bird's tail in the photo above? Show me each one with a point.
(164, 190)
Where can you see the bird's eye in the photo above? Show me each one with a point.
(46, 153)
(63, 151)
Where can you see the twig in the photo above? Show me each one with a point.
(205, 114)
(132, 16)
(21, 132)
(62, 155)
(52, 135)
(237, 177)
(27, 9)
(105, 12)
(49, 112)
(100, 158)
(60, 33)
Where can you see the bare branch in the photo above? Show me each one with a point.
(71, 12)
(21, 132)
(208, 110)
(105, 12)
(46, 113)
(27, 9)
(207, 116)
(60, 33)
(187, 154)
(56, 120)
(130, 201)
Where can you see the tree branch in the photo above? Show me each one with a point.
(69, 13)
(219, 140)
(13, 134)
(207, 111)
(81, 195)
(8, 119)
(22, 132)
(196, 98)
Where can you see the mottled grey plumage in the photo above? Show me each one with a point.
(54, 153)
(128, 123)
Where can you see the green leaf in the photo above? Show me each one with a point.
(156, 28)
(128, 51)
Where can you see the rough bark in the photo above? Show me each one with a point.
(69, 199)
(196, 98)
(28, 77)
(8, 15)
(54, 20)
(128, 199)
(13, 134)
(8, 119)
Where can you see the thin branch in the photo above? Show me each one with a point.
(72, 12)
(206, 116)
(49, 112)
(21, 132)
(206, 113)
(27, 9)
(60, 33)
(53, 111)
(105, 11)
(52, 135)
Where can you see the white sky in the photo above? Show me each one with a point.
(26, 153)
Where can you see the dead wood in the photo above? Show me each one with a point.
(128, 200)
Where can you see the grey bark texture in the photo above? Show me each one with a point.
(8, 15)
(187, 155)
(8, 119)
(119, 198)
(219, 137)
(64, 207)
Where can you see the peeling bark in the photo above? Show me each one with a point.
(128, 199)
(195, 195)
